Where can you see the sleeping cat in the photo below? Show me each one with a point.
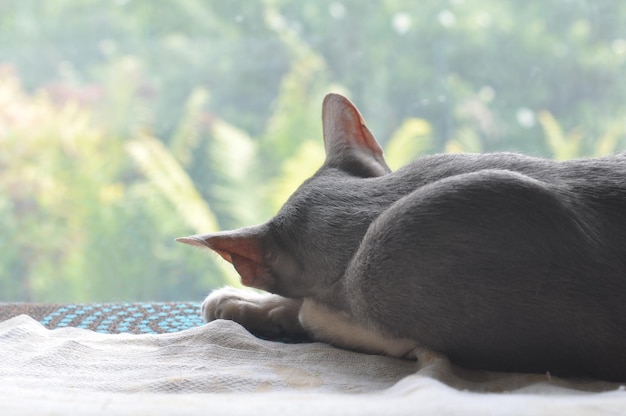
(499, 261)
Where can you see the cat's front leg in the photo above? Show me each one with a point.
(256, 312)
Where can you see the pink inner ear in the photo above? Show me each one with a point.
(225, 255)
(243, 249)
(345, 131)
(227, 246)
(252, 274)
(367, 138)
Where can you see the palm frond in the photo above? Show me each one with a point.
(164, 172)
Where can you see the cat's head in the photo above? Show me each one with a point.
(312, 238)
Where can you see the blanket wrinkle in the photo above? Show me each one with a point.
(222, 366)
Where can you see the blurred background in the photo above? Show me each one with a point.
(125, 124)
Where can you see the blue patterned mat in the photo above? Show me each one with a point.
(115, 318)
(138, 318)
(112, 318)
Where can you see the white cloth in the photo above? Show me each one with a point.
(219, 368)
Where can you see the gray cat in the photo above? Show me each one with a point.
(499, 261)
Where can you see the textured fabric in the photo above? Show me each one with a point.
(220, 368)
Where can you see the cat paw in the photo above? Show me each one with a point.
(254, 311)
(225, 303)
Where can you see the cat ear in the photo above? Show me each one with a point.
(349, 143)
(243, 249)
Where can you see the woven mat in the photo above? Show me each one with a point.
(111, 318)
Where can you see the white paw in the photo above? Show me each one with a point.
(255, 311)
(226, 303)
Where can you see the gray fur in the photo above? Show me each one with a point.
(499, 261)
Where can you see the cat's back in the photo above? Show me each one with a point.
(609, 171)
(599, 182)
(594, 189)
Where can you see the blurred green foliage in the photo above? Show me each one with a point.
(127, 123)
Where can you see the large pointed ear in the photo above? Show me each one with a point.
(349, 144)
(242, 248)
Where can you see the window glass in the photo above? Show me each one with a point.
(125, 124)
